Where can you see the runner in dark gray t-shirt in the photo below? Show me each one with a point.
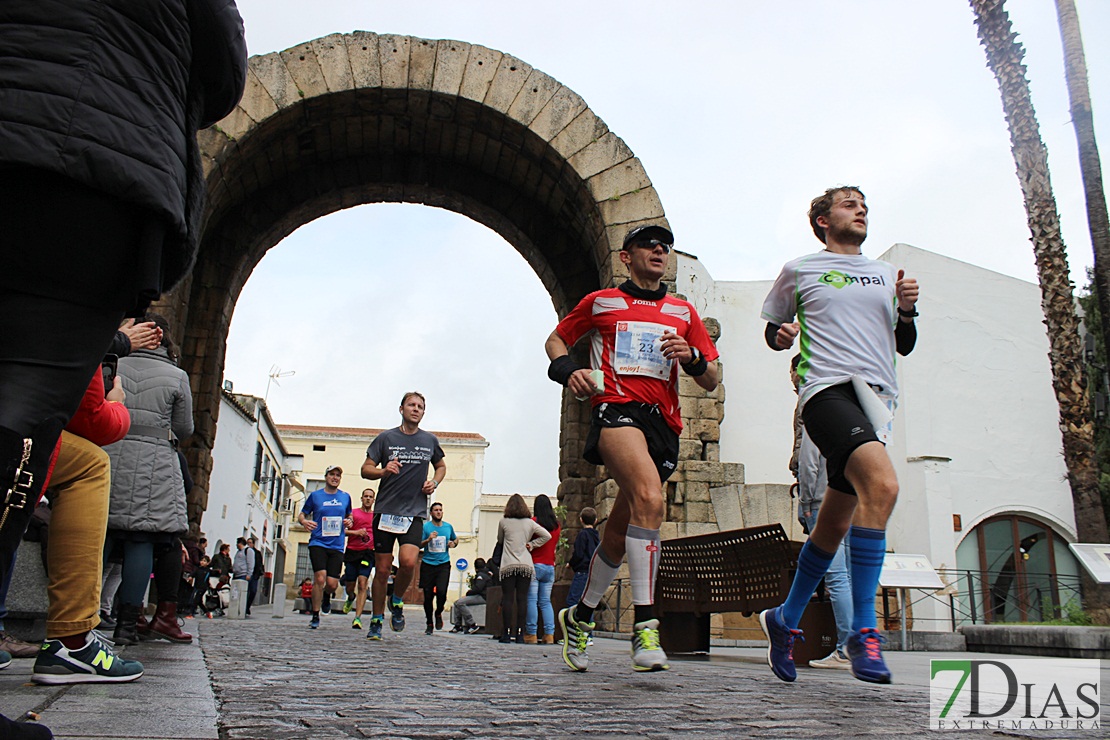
(399, 458)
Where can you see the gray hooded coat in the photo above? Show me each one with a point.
(148, 493)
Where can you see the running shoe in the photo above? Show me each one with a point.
(835, 659)
(18, 648)
(325, 603)
(646, 653)
(866, 653)
(356, 623)
(439, 621)
(375, 630)
(472, 629)
(576, 634)
(397, 614)
(428, 630)
(95, 662)
(780, 650)
(457, 629)
(314, 623)
(348, 605)
(5, 659)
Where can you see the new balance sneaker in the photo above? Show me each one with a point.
(576, 634)
(396, 615)
(780, 651)
(646, 653)
(5, 659)
(835, 659)
(348, 605)
(375, 630)
(325, 603)
(356, 623)
(314, 623)
(95, 662)
(865, 651)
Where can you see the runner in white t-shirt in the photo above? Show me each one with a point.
(853, 315)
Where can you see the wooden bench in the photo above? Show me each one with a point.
(740, 570)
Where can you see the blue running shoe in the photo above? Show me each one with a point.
(780, 651)
(315, 622)
(397, 615)
(865, 650)
(5, 659)
(375, 630)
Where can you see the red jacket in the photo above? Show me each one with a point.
(97, 419)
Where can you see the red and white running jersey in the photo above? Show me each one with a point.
(626, 346)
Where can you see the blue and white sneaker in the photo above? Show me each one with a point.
(5, 659)
(325, 603)
(865, 650)
(314, 623)
(780, 651)
(95, 662)
(375, 630)
(397, 614)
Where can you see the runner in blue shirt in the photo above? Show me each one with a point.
(326, 514)
(435, 568)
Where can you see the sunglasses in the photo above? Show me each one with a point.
(652, 244)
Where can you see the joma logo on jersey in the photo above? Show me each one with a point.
(638, 302)
(838, 279)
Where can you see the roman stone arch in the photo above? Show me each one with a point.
(351, 119)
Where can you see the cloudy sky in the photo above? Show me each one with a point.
(740, 112)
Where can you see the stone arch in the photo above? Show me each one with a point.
(352, 119)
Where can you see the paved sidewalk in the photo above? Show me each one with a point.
(275, 679)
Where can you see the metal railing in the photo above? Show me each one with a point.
(989, 598)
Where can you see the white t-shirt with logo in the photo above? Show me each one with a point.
(846, 308)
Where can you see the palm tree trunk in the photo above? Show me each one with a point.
(1005, 59)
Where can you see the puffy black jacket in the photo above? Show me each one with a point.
(110, 93)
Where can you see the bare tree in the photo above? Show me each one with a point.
(1005, 59)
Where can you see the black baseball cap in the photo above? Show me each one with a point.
(643, 233)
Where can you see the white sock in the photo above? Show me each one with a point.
(642, 546)
(602, 573)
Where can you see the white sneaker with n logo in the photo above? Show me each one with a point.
(95, 662)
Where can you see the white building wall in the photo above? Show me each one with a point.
(230, 483)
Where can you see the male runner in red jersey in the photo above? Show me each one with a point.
(639, 338)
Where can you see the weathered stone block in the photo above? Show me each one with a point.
(708, 408)
(422, 64)
(305, 70)
(608, 150)
(626, 178)
(632, 207)
(364, 58)
(563, 107)
(700, 512)
(533, 96)
(579, 133)
(507, 82)
(712, 451)
(393, 52)
(450, 65)
(689, 449)
(726, 506)
(331, 54)
(707, 430)
(276, 78)
(697, 492)
(481, 66)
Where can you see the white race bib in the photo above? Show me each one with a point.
(331, 526)
(876, 408)
(638, 350)
(395, 524)
(438, 544)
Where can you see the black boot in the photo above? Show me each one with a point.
(127, 631)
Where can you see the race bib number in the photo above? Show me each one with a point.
(638, 350)
(438, 544)
(395, 524)
(331, 526)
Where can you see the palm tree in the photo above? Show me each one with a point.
(1004, 58)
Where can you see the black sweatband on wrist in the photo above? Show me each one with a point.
(696, 368)
(561, 368)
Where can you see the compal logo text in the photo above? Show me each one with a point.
(838, 279)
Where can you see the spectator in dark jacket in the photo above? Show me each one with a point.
(584, 545)
(463, 618)
(101, 193)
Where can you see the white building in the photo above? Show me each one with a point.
(977, 444)
(253, 478)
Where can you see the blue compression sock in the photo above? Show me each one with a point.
(867, 548)
(812, 564)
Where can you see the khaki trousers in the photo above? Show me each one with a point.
(79, 492)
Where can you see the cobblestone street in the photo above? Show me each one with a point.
(278, 679)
